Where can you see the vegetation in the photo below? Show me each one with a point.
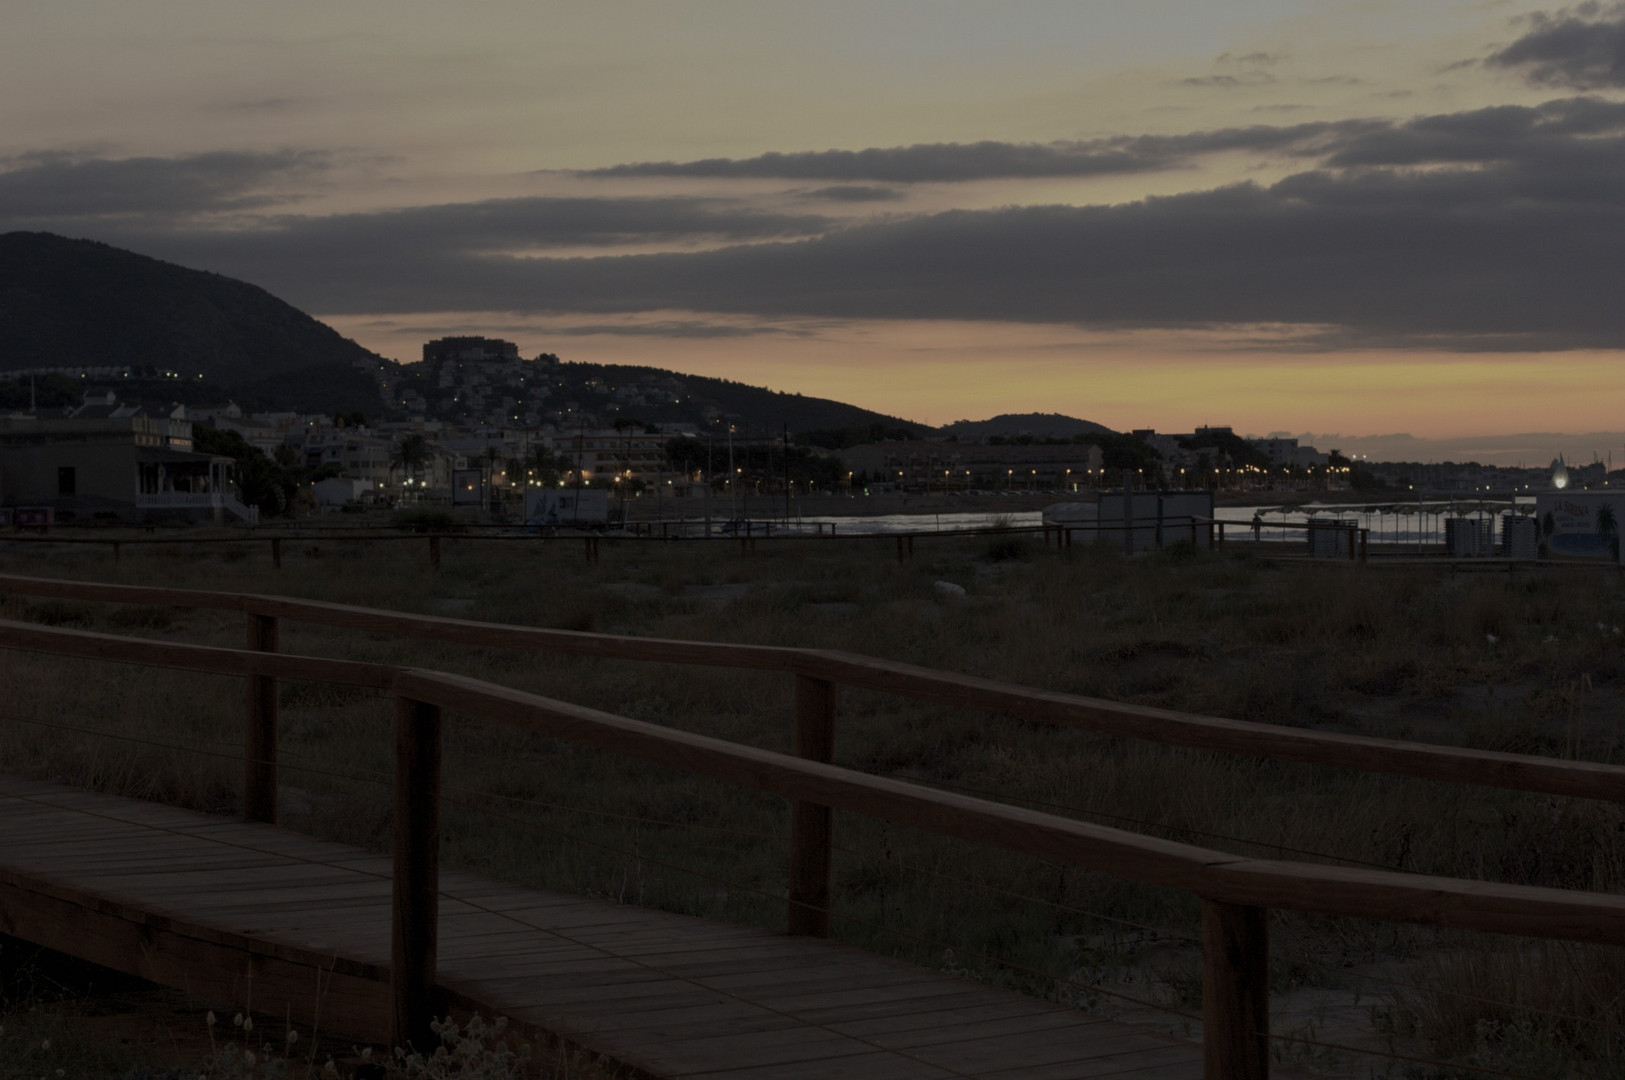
(1524, 663)
(271, 485)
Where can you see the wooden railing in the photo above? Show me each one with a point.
(1236, 892)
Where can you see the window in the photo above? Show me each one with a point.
(66, 481)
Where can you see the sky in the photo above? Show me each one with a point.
(1342, 220)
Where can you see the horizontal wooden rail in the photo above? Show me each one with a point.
(32, 637)
(1327, 890)
(1518, 772)
(1214, 875)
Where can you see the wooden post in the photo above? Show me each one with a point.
(899, 549)
(1235, 992)
(1128, 513)
(115, 551)
(434, 551)
(1365, 543)
(811, 824)
(911, 545)
(415, 908)
(260, 726)
(276, 552)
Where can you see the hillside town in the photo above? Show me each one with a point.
(474, 424)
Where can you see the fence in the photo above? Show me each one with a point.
(1236, 892)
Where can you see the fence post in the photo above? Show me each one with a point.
(811, 824)
(260, 725)
(415, 900)
(434, 551)
(276, 552)
(1235, 992)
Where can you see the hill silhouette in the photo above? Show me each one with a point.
(70, 302)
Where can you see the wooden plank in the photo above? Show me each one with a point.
(788, 1045)
(305, 990)
(873, 1065)
(985, 1008)
(651, 994)
(1173, 1062)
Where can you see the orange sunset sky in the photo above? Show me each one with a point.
(1282, 215)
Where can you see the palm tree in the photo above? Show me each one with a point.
(410, 454)
(1608, 528)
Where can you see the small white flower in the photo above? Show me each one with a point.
(248, 1023)
(1492, 639)
(210, 1018)
(1549, 639)
(366, 1054)
(45, 1044)
(237, 1020)
(248, 1058)
(293, 1036)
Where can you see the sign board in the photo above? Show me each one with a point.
(1157, 518)
(467, 487)
(566, 506)
(1580, 524)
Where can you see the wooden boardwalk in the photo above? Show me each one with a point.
(254, 914)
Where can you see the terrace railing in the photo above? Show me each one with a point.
(1236, 892)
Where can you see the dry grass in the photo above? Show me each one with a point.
(1528, 663)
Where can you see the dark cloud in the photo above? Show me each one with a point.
(418, 236)
(274, 104)
(1263, 59)
(1498, 228)
(854, 193)
(1357, 257)
(49, 186)
(675, 328)
(1228, 82)
(504, 225)
(950, 162)
(1581, 47)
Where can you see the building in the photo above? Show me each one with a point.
(469, 350)
(604, 453)
(115, 460)
(1287, 452)
(932, 465)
